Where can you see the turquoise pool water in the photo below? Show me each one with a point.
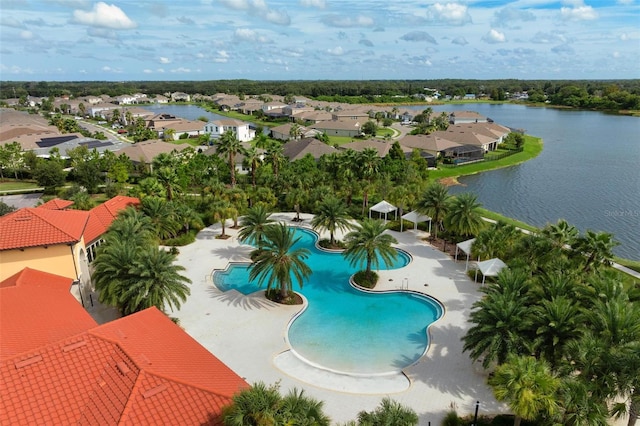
(345, 329)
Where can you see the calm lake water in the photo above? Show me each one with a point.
(588, 172)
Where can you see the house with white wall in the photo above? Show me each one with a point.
(241, 129)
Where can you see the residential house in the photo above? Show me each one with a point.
(293, 110)
(178, 128)
(144, 152)
(461, 117)
(382, 147)
(283, 132)
(158, 121)
(239, 158)
(484, 135)
(348, 128)
(357, 114)
(299, 148)
(250, 106)
(159, 99)
(314, 116)
(58, 366)
(125, 100)
(241, 129)
(270, 106)
(55, 240)
(180, 97)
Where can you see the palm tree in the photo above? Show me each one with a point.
(556, 322)
(221, 210)
(274, 156)
(294, 198)
(156, 281)
(299, 409)
(527, 385)
(464, 216)
(389, 412)
(278, 262)
(500, 319)
(162, 215)
(230, 145)
(369, 162)
(169, 179)
(254, 224)
(111, 274)
(253, 159)
(597, 248)
(435, 203)
(368, 243)
(561, 234)
(331, 216)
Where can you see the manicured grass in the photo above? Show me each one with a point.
(239, 116)
(341, 140)
(14, 185)
(631, 264)
(498, 217)
(532, 148)
(384, 131)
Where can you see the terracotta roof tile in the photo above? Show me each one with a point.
(32, 227)
(141, 369)
(56, 204)
(101, 217)
(36, 309)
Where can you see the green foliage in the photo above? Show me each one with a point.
(49, 174)
(264, 405)
(369, 244)
(366, 279)
(5, 208)
(389, 412)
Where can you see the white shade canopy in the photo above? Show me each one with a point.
(490, 268)
(416, 217)
(465, 246)
(384, 207)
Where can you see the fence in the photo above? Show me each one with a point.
(488, 157)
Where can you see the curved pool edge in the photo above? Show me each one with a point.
(295, 367)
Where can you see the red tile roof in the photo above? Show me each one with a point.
(141, 369)
(103, 215)
(56, 204)
(36, 309)
(33, 227)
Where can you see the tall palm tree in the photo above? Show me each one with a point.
(368, 243)
(464, 216)
(156, 281)
(162, 215)
(597, 248)
(253, 159)
(434, 202)
(221, 210)
(331, 216)
(369, 162)
(389, 412)
(527, 385)
(278, 262)
(501, 320)
(561, 234)
(230, 145)
(275, 156)
(168, 178)
(254, 224)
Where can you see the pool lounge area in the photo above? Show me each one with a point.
(250, 333)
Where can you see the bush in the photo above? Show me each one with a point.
(326, 244)
(181, 240)
(366, 280)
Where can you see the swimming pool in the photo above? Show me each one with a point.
(344, 329)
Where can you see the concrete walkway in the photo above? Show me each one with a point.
(248, 333)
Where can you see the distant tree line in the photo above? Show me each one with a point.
(590, 94)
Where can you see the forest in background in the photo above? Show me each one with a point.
(611, 95)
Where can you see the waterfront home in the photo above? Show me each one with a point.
(179, 128)
(461, 117)
(144, 152)
(240, 129)
(58, 366)
(484, 135)
(352, 113)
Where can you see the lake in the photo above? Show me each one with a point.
(588, 172)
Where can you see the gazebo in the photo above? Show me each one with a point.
(465, 246)
(384, 207)
(415, 217)
(490, 268)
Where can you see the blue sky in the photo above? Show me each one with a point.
(122, 40)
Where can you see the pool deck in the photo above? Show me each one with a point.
(248, 333)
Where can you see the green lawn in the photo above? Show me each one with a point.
(498, 217)
(532, 148)
(17, 186)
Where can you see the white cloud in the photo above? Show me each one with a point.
(223, 57)
(338, 51)
(320, 4)
(494, 36)
(181, 70)
(278, 17)
(259, 8)
(164, 60)
(418, 36)
(147, 71)
(27, 35)
(450, 13)
(104, 15)
(245, 34)
(342, 21)
(113, 70)
(236, 4)
(580, 13)
(461, 41)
